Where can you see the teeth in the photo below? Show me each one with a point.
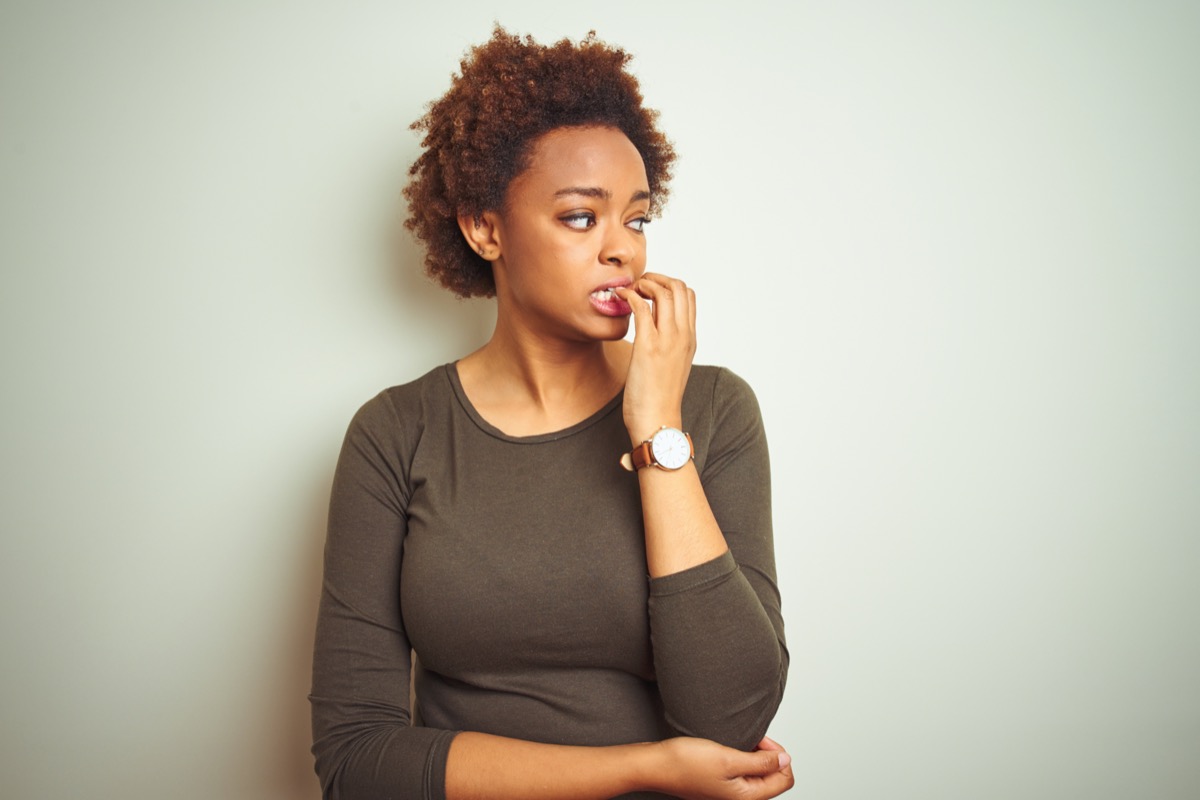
(604, 294)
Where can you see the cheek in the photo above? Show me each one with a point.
(555, 258)
(639, 261)
(539, 241)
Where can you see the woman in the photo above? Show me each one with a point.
(482, 520)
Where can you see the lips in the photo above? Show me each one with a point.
(615, 283)
(606, 301)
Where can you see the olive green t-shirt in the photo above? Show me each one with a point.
(515, 569)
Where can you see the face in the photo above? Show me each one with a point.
(571, 228)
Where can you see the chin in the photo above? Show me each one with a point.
(615, 331)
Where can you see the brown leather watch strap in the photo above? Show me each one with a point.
(641, 456)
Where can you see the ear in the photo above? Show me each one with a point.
(482, 234)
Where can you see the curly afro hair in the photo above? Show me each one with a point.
(480, 135)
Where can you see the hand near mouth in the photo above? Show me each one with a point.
(663, 346)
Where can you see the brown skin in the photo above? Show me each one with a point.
(513, 90)
(571, 223)
(553, 360)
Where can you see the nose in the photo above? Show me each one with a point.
(618, 247)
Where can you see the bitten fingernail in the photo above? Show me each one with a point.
(784, 760)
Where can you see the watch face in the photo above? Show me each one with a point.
(671, 449)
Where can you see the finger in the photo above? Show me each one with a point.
(774, 782)
(768, 743)
(771, 785)
(685, 313)
(657, 277)
(654, 285)
(681, 296)
(658, 297)
(643, 314)
(662, 297)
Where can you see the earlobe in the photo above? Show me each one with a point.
(481, 234)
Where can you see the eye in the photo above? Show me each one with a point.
(579, 221)
(638, 224)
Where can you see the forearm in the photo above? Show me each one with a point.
(681, 531)
(486, 767)
(719, 661)
(715, 625)
(714, 608)
(717, 656)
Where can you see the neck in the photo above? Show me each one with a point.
(551, 373)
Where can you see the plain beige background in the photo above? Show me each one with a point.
(954, 246)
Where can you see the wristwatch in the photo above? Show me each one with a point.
(668, 449)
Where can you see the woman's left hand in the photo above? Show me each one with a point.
(664, 343)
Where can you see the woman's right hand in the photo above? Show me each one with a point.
(697, 769)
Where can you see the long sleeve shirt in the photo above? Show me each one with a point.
(514, 568)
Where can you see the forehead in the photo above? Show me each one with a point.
(584, 157)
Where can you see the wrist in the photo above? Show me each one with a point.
(647, 765)
(642, 429)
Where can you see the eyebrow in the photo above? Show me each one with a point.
(598, 193)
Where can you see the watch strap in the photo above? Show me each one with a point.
(643, 456)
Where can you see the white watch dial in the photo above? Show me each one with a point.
(671, 449)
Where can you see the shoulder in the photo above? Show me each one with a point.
(431, 388)
(400, 413)
(387, 430)
(402, 400)
(721, 412)
(719, 392)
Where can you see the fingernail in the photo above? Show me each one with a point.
(784, 760)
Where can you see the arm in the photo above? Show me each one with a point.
(716, 627)
(484, 767)
(364, 740)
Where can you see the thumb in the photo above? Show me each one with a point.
(768, 743)
(765, 762)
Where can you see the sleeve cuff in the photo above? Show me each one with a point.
(435, 766)
(710, 572)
